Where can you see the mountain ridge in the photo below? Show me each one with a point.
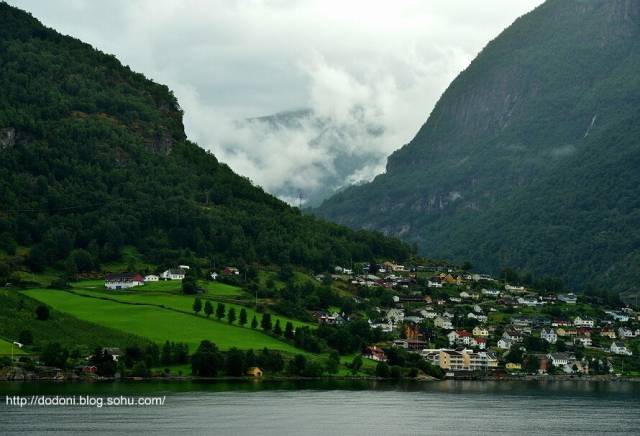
(94, 158)
(515, 134)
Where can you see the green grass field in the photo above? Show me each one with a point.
(157, 324)
(5, 349)
(183, 303)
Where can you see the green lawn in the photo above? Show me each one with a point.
(182, 302)
(5, 349)
(157, 324)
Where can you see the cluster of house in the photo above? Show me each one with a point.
(129, 280)
(421, 318)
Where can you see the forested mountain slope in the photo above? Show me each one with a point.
(531, 158)
(93, 157)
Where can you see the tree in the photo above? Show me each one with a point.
(208, 308)
(265, 323)
(104, 362)
(189, 285)
(197, 305)
(220, 311)
(206, 361)
(166, 357)
(288, 330)
(231, 315)
(243, 317)
(140, 369)
(382, 370)
(277, 330)
(235, 363)
(356, 364)
(25, 337)
(70, 268)
(54, 355)
(333, 362)
(297, 365)
(42, 313)
(254, 322)
(532, 365)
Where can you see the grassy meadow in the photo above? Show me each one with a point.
(155, 323)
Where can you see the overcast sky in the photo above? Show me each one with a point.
(230, 60)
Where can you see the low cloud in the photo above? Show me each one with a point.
(369, 71)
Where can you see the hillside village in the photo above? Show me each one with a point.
(470, 324)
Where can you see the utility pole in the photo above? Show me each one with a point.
(300, 198)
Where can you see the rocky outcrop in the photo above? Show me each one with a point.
(7, 138)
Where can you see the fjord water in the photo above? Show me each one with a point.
(349, 408)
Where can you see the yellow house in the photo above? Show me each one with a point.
(254, 371)
(513, 366)
(480, 331)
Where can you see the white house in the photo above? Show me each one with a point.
(123, 281)
(505, 343)
(452, 336)
(395, 315)
(511, 288)
(430, 314)
(443, 323)
(583, 322)
(617, 316)
(549, 335)
(620, 348)
(479, 316)
(624, 332)
(491, 292)
(530, 301)
(385, 327)
(560, 359)
(512, 335)
(568, 298)
(173, 274)
(151, 278)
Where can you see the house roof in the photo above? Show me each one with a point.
(122, 277)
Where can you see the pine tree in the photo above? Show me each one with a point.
(208, 308)
(288, 330)
(220, 311)
(197, 305)
(265, 323)
(231, 315)
(254, 322)
(277, 330)
(243, 317)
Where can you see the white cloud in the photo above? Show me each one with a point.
(359, 64)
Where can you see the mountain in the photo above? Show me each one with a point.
(531, 158)
(336, 153)
(94, 160)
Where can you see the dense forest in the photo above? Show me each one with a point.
(94, 158)
(531, 157)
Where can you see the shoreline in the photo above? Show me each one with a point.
(421, 380)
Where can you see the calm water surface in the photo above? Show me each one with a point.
(336, 408)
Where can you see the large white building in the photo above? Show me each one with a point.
(123, 281)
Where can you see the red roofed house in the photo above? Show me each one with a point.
(123, 281)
